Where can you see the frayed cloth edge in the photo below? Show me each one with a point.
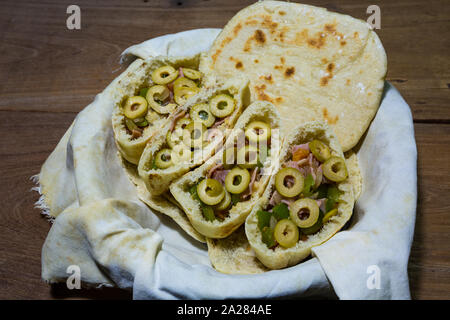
(41, 203)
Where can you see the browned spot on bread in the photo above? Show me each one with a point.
(277, 67)
(267, 78)
(268, 23)
(343, 43)
(260, 36)
(328, 118)
(317, 42)
(279, 99)
(261, 94)
(330, 67)
(347, 82)
(323, 81)
(356, 34)
(283, 60)
(256, 60)
(324, 60)
(289, 72)
(239, 65)
(281, 13)
(301, 37)
(216, 55)
(330, 28)
(236, 29)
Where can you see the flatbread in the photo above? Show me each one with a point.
(311, 63)
(234, 255)
(284, 257)
(261, 111)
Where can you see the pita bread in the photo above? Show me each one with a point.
(312, 64)
(261, 111)
(137, 77)
(284, 257)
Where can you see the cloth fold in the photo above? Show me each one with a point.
(101, 226)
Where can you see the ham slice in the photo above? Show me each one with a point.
(176, 118)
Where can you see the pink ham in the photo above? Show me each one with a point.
(176, 118)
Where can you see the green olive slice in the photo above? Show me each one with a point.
(200, 112)
(247, 157)
(225, 203)
(182, 94)
(156, 96)
(222, 105)
(183, 83)
(181, 154)
(163, 159)
(193, 134)
(164, 75)
(210, 191)
(191, 73)
(237, 180)
(320, 150)
(334, 169)
(304, 212)
(135, 107)
(257, 131)
(286, 233)
(289, 182)
(131, 125)
(329, 214)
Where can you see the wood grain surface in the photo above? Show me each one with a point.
(49, 73)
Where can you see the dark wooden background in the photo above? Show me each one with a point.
(49, 73)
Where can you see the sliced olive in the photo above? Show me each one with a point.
(157, 99)
(210, 191)
(320, 150)
(257, 131)
(163, 159)
(164, 75)
(289, 182)
(222, 105)
(237, 180)
(135, 107)
(286, 233)
(130, 124)
(181, 154)
(329, 215)
(225, 203)
(183, 83)
(247, 156)
(335, 169)
(304, 212)
(184, 93)
(200, 112)
(193, 134)
(191, 73)
(315, 227)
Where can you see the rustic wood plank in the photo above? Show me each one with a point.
(41, 59)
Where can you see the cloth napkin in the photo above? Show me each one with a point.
(101, 226)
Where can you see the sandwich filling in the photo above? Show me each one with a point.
(237, 176)
(171, 89)
(305, 197)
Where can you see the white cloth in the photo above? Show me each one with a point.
(101, 226)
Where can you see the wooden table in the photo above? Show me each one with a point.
(49, 73)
